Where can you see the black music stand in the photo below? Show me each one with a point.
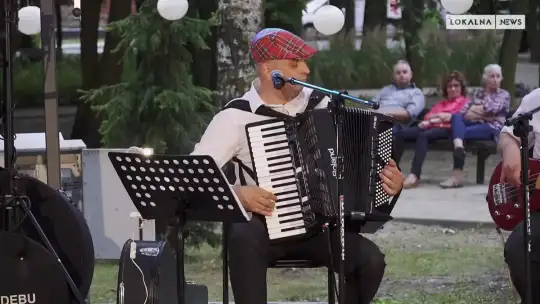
(180, 188)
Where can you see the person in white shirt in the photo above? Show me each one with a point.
(514, 251)
(250, 250)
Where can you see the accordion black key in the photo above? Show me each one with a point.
(296, 160)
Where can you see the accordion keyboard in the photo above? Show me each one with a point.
(275, 172)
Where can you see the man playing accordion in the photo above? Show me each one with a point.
(250, 249)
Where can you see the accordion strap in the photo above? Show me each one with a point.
(241, 104)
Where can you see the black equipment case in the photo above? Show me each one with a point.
(157, 263)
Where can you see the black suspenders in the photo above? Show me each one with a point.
(241, 104)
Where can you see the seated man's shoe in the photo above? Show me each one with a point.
(451, 183)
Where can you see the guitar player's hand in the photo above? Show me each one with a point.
(256, 199)
(511, 169)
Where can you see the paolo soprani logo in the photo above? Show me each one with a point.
(456, 20)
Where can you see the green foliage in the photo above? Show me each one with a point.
(28, 81)
(157, 105)
(284, 14)
(341, 67)
(344, 67)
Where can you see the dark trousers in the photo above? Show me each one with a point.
(468, 130)
(422, 137)
(250, 253)
(514, 255)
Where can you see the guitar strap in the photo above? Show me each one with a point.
(241, 104)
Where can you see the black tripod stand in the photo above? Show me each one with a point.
(13, 206)
(522, 128)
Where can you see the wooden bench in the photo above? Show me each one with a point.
(483, 149)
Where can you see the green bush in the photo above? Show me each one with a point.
(28, 81)
(342, 66)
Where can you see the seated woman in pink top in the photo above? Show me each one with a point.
(436, 123)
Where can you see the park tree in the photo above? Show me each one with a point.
(533, 30)
(510, 49)
(284, 14)
(348, 6)
(97, 69)
(240, 21)
(412, 21)
(157, 105)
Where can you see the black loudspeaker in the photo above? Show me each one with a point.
(155, 260)
(30, 274)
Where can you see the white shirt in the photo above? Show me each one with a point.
(225, 136)
(529, 102)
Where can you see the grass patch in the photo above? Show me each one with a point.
(449, 272)
(460, 261)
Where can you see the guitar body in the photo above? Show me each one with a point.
(505, 200)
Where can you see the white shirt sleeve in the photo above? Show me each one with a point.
(527, 104)
(221, 139)
(324, 103)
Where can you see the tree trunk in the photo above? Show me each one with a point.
(348, 5)
(483, 7)
(240, 21)
(412, 17)
(85, 126)
(110, 64)
(204, 65)
(59, 32)
(374, 15)
(106, 70)
(509, 51)
(533, 30)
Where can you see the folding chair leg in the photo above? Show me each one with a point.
(331, 294)
(225, 255)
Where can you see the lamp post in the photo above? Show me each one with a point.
(48, 47)
(33, 20)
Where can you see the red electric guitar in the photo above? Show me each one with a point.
(504, 200)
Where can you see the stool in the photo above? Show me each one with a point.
(278, 264)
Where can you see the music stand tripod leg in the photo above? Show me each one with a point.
(178, 227)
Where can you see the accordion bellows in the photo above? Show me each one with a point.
(296, 160)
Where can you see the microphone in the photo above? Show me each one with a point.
(76, 8)
(277, 79)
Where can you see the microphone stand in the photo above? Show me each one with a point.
(522, 128)
(336, 106)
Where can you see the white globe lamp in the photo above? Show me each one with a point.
(172, 9)
(29, 20)
(457, 7)
(328, 20)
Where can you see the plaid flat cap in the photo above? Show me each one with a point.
(275, 43)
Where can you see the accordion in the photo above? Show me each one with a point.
(296, 160)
